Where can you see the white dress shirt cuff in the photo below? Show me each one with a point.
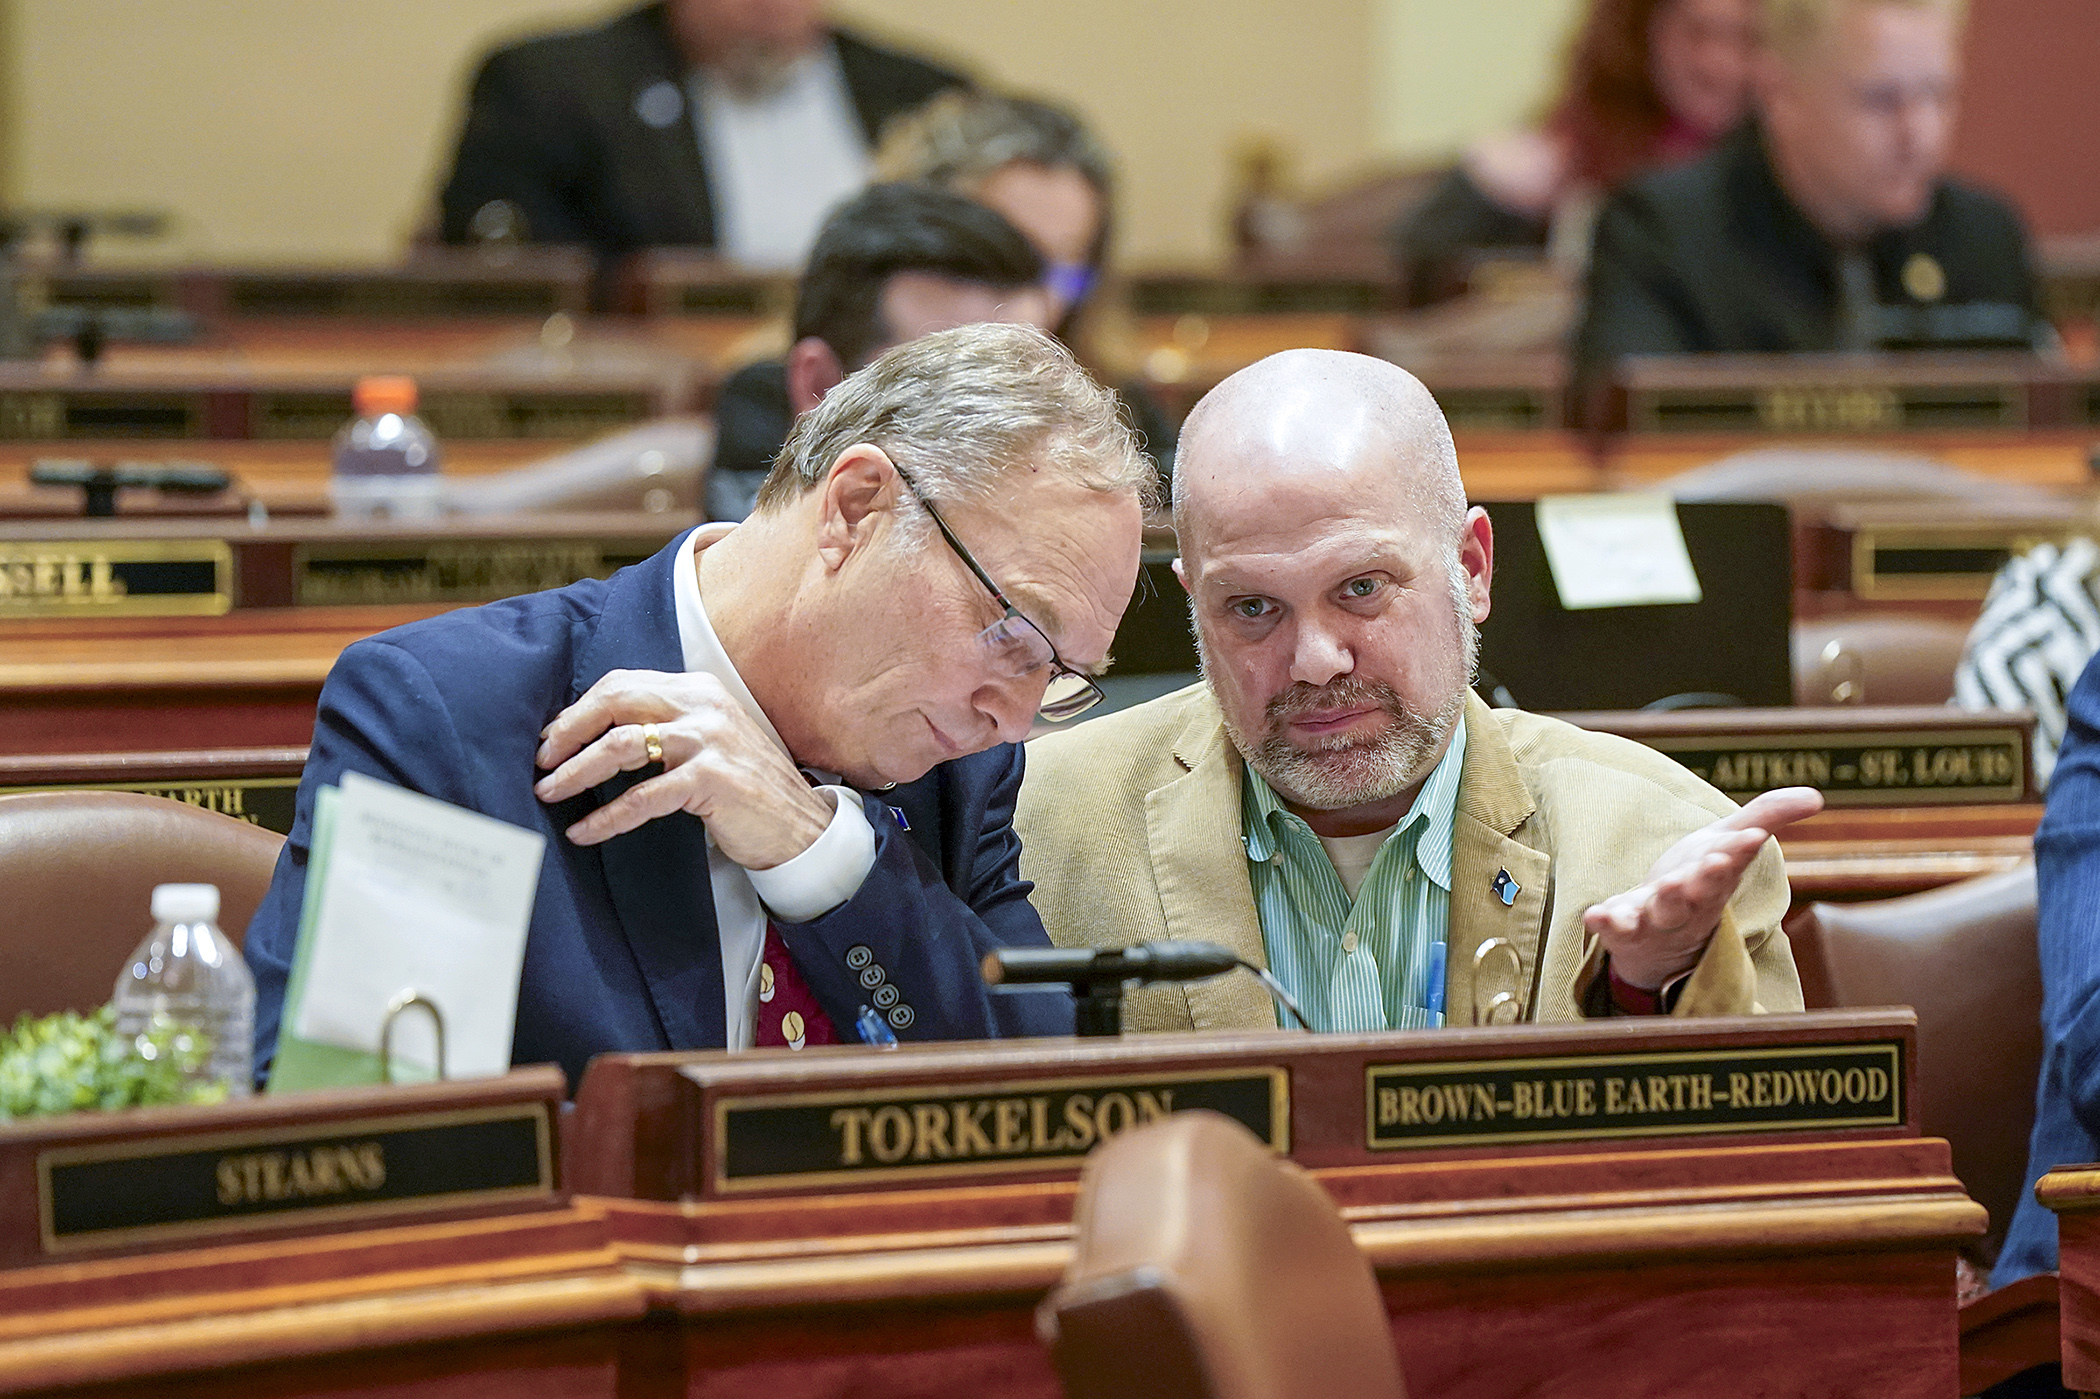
(829, 872)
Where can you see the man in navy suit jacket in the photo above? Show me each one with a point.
(666, 729)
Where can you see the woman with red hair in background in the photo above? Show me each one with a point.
(1649, 83)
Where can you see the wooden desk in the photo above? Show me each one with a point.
(1817, 1264)
(178, 401)
(2073, 1191)
(248, 679)
(284, 477)
(430, 1294)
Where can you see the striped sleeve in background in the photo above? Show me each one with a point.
(2039, 626)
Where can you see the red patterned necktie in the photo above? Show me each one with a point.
(788, 1013)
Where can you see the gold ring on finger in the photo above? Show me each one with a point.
(652, 744)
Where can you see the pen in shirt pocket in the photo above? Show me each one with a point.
(1433, 982)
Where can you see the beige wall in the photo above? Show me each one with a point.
(1446, 71)
(288, 129)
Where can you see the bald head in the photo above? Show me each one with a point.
(1306, 424)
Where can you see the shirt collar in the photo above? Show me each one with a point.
(696, 635)
(1436, 804)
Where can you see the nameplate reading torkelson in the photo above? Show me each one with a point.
(907, 1133)
(175, 1187)
(1593, 1096)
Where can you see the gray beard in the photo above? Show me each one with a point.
(1345, 770)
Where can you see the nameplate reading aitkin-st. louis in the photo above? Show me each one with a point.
(1788, 1088)
(182, 1187)
(910, 1132)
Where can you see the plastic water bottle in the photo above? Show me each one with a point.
(386, 459)
(187, 973)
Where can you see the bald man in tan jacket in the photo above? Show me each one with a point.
(1480, 866)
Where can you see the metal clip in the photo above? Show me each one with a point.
(403, 1001)
(1495, 1000)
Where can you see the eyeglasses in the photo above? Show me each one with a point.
(1015, 646)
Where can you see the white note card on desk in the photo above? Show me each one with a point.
(1620, 550)
(421, 896)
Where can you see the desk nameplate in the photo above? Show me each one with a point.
(1587, 1097)
(105, 1196)
(1827, 408)
(116, 578)
(935, 1131)
(1942, 563)
(453, 570)
(1926, 766)
(268, 802)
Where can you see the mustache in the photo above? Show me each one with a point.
(1346, 692)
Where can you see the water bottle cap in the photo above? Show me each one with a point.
(384, 393)
(185, 903)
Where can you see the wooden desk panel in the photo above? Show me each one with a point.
(1519, 1269)
(2054, 457)
(239, 681)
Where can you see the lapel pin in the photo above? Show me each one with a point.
(1505, 888)
(898, 812)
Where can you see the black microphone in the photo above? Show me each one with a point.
(1145, 962)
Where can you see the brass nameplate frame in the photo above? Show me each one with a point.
(1585, 1097)
(60, 414)
(116, 578)
(1827, 408)
(112, 1195)
(1892, 767)
(1506, 409)
(317, 414)
(267, 802)
(1940, 563)
(899, 1133)
(452, 570)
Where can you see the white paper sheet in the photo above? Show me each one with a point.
(420, 895)
(1619, 550)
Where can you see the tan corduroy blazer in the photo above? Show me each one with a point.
(1130, 827)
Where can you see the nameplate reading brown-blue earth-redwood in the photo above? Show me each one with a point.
(1594, 1096)
(174, 1187)
(905, 1133)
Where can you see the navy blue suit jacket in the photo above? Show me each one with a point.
(2067, 886)
(623, 952)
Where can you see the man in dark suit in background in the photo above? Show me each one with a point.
(776, 764)
(895, 262)
(1826, 224)
(725, 124)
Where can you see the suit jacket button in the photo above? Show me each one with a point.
(858, 956)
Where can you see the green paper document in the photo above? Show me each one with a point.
(405, 895)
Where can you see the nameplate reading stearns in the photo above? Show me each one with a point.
(1580, 1097)
(907, 1133)
(173, 1187)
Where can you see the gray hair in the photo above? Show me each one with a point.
(958, 409)
(959, 138)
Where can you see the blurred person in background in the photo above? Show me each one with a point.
(1041, 168)
(892, 264)
(1649, 83)
(725, 124)
(1827, 223)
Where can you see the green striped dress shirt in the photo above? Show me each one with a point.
(1377, 963)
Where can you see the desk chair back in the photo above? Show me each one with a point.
(1204, 1267)
(1965, 958)
(78, 869)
